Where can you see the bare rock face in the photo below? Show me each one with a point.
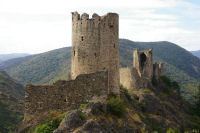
(91, 126)
(72, 121)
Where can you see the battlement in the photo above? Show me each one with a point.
(76, 16)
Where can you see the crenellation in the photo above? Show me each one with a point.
(84, 16)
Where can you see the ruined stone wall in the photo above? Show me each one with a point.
(157, 70)
(143, 62)
(141, 74)
(64, 95)
(131, 80)
(95, 46)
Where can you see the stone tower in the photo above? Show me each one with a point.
(143, 62)
(95, 46)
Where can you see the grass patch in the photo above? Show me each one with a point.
(171, 130)
(81, 106)
(147, 91)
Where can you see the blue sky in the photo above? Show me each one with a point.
(35, 26)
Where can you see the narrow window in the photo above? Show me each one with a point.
(114, 45)
(82, 38)
(74, 52)
(95, 55)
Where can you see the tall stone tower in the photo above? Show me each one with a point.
(143, 62)
(95, 46)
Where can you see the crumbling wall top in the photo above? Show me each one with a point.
(85, 16)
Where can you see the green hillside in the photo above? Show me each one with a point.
(39, 69)
(11, 103)
(48, 67)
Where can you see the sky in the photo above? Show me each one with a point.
(36, 26)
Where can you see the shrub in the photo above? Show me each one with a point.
(154, 81)
(170, 84)
(175, 86)
(49, 125)
(116, 106)
(166, 80)
(127, 94)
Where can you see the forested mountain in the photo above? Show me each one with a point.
(48, 67)
(11, 103)
(196, 53)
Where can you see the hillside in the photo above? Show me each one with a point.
(196, 53)
(159, 110)
(4, 57)
(11, 103)
(47, 67)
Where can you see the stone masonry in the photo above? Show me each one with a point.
(140, 76)
(95, 68)
(64, 95)
(95, 46)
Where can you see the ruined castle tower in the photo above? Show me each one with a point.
(143, 62)
(95, 46)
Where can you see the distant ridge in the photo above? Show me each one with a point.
(196, 53)
(50, 66)
(4, 57)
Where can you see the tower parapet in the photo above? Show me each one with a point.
(95, 46)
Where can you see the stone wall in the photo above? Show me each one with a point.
(141, 74)
(95, 46)
(157, 70)
(131, 80)
(64, 95)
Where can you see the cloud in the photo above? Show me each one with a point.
(36, 26)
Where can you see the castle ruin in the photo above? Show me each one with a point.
(143, 71)
(94, 68)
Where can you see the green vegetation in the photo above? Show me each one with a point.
(49, 125)
(127, 94)
(81, 106)
(42, 68)
(197, 102)
(170, 85)
(171, 130)
(11, 103)
(154, 81)
(116, 106)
